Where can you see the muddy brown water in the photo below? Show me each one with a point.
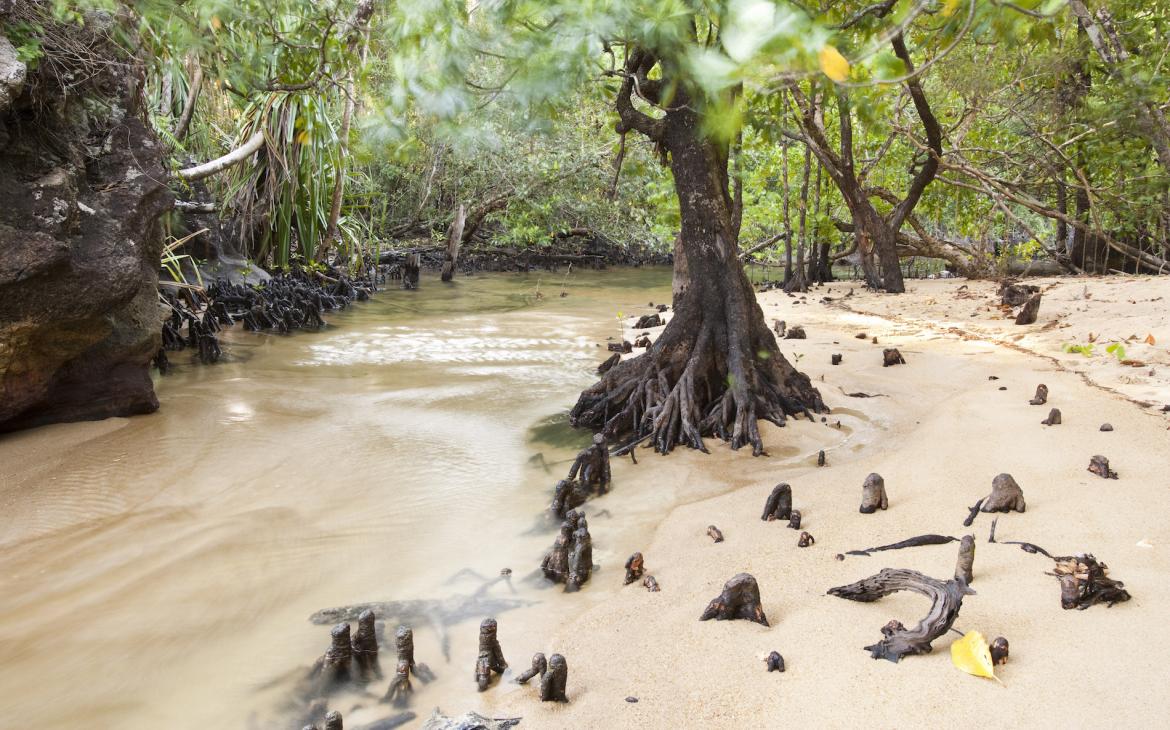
(159, 571)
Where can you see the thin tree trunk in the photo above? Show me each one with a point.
(799, 282)
(218, 165)
(454, 238)
(193, 89)
(787, 218)
(332, 234)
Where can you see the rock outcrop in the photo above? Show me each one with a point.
(82, 187)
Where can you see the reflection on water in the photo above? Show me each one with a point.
(159, 571)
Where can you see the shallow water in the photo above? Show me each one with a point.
(160, 571)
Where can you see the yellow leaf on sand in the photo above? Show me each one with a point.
(834, 64)
(972, 655)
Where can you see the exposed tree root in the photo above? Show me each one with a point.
(699, 380)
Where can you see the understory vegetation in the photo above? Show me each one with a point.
(980, 134)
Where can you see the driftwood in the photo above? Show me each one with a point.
(1031, 308)
(454, 239)
(794, 520)
(1085, 582)
(469, 721)
(651, 584)
(491, 658)
(365, 648)
(779, 326)
(642, 340)
(873, 494)
(1041, 396)
(965, 563)
(775, 662)
(779, 504)
(805, 540)
(1005, 495)
(555, 564)
(1106, 427)
(714, 533)
(740, 599)
(821, 458)
(1099, 465)
(999, 651)
(917, 541)
(891, 356)
(946, 598)
(539, 667)
(796, 332)
(973, 512)
(836, 359)
(1053, 418)
(553, 681)
(634, 568)
(624, 347)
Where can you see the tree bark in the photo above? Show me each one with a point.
(218, 165)
(454, 238)
(716, 368)
(193, 89)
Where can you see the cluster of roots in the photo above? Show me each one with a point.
(696, 381)
(288, 301)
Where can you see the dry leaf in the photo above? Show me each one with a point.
(972, 655)
(834, 64)
(1150, 339)
(1133, 363)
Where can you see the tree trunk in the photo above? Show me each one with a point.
(787, 219)
(799, 282)
(716, 367)
(454, 238)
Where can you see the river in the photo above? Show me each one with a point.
(159, 571)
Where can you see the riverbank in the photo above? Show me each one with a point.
(406, 452)
(938, 432)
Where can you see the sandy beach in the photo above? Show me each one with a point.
(938, 431)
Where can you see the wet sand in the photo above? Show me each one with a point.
(158, 572)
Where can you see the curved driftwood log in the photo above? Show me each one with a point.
(634, 568)
(740, 599)
(917, 541)
(779, 504)
(552, 682)
(1005, 495)
(1053, 418)
(966, 561)
(873, 494)
(365, 648)
(1099, 465)
(1085, 582)
(891, 356)
(714, 533)
(1041, 396)
(775, 662)
(946, 598)
(491, 658)
(539, 666)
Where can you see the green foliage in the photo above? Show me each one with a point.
(1086, 350)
